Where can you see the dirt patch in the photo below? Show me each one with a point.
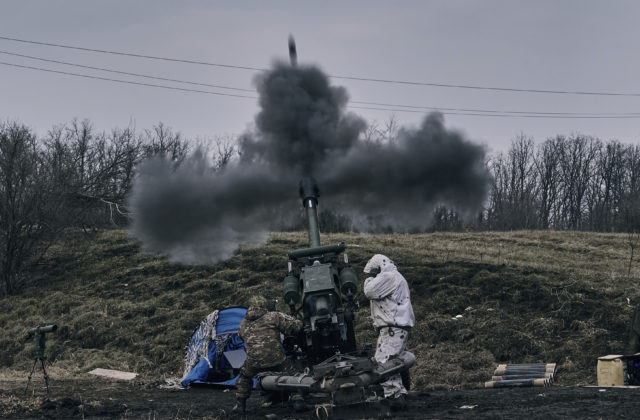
(91, 399)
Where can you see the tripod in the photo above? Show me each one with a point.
(39, 333)
(44, 371)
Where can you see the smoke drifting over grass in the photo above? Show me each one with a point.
(197, 215)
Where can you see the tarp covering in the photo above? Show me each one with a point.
(205, 362)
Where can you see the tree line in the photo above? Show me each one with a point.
(577, 182)
(77, 176)
(573, 182)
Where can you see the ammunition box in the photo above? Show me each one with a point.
(618, 370)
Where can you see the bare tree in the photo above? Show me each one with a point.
(375, 133)
(390, 129)
(93, 171)
(498, 204)
(27, 202)
(522, 183)
(576, 165)
(225, 150)
(513, 195)
(548, 175)
(162, 140)
(607, 187)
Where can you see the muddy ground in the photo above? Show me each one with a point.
(105, 399)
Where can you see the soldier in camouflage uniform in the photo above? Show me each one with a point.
(260, 330)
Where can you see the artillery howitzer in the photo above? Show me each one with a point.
(325, 288)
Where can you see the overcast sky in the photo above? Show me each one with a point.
(578, 45)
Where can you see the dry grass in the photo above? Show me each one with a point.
(524, 296)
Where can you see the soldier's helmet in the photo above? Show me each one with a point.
(272, 304)
(258, 301)
(376, 264)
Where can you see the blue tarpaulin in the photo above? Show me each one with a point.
(216, 369)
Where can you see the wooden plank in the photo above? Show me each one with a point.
(115, 374)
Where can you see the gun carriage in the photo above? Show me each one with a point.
(321, 288)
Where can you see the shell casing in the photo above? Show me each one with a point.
(517, 383)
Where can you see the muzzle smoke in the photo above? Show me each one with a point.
(194, 214)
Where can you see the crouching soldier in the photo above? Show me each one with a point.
(260, 330)
(392, 315)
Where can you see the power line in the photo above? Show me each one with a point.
(501, 89)
(355, 78)
(442, 109)
(124, 72)
(481, 113)
(127, 81)
(399, 108)
(151, 57)
(430, 108)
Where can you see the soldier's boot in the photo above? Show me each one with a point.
(274, 398)
(240, 407)
(398, 403)
(406, 380)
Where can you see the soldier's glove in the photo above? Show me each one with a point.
(374, 272)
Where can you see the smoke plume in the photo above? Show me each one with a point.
(196, 214)
(399, 183)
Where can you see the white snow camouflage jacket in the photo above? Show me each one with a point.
(390, 298)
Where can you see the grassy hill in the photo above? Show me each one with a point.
(526, 296)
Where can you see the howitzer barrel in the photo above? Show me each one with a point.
(334, 384)
(309, 193)
(293, 54)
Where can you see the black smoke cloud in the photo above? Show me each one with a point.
(399, 183)
(194, 214)
(302, 122)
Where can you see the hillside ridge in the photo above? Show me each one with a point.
(524, 296)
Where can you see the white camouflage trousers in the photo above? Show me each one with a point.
(391, 341)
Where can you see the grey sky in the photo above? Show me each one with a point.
(579, 45)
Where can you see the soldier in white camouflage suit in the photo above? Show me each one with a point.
(260, 330)
(392, 315)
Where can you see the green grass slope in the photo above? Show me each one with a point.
(560, 297)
